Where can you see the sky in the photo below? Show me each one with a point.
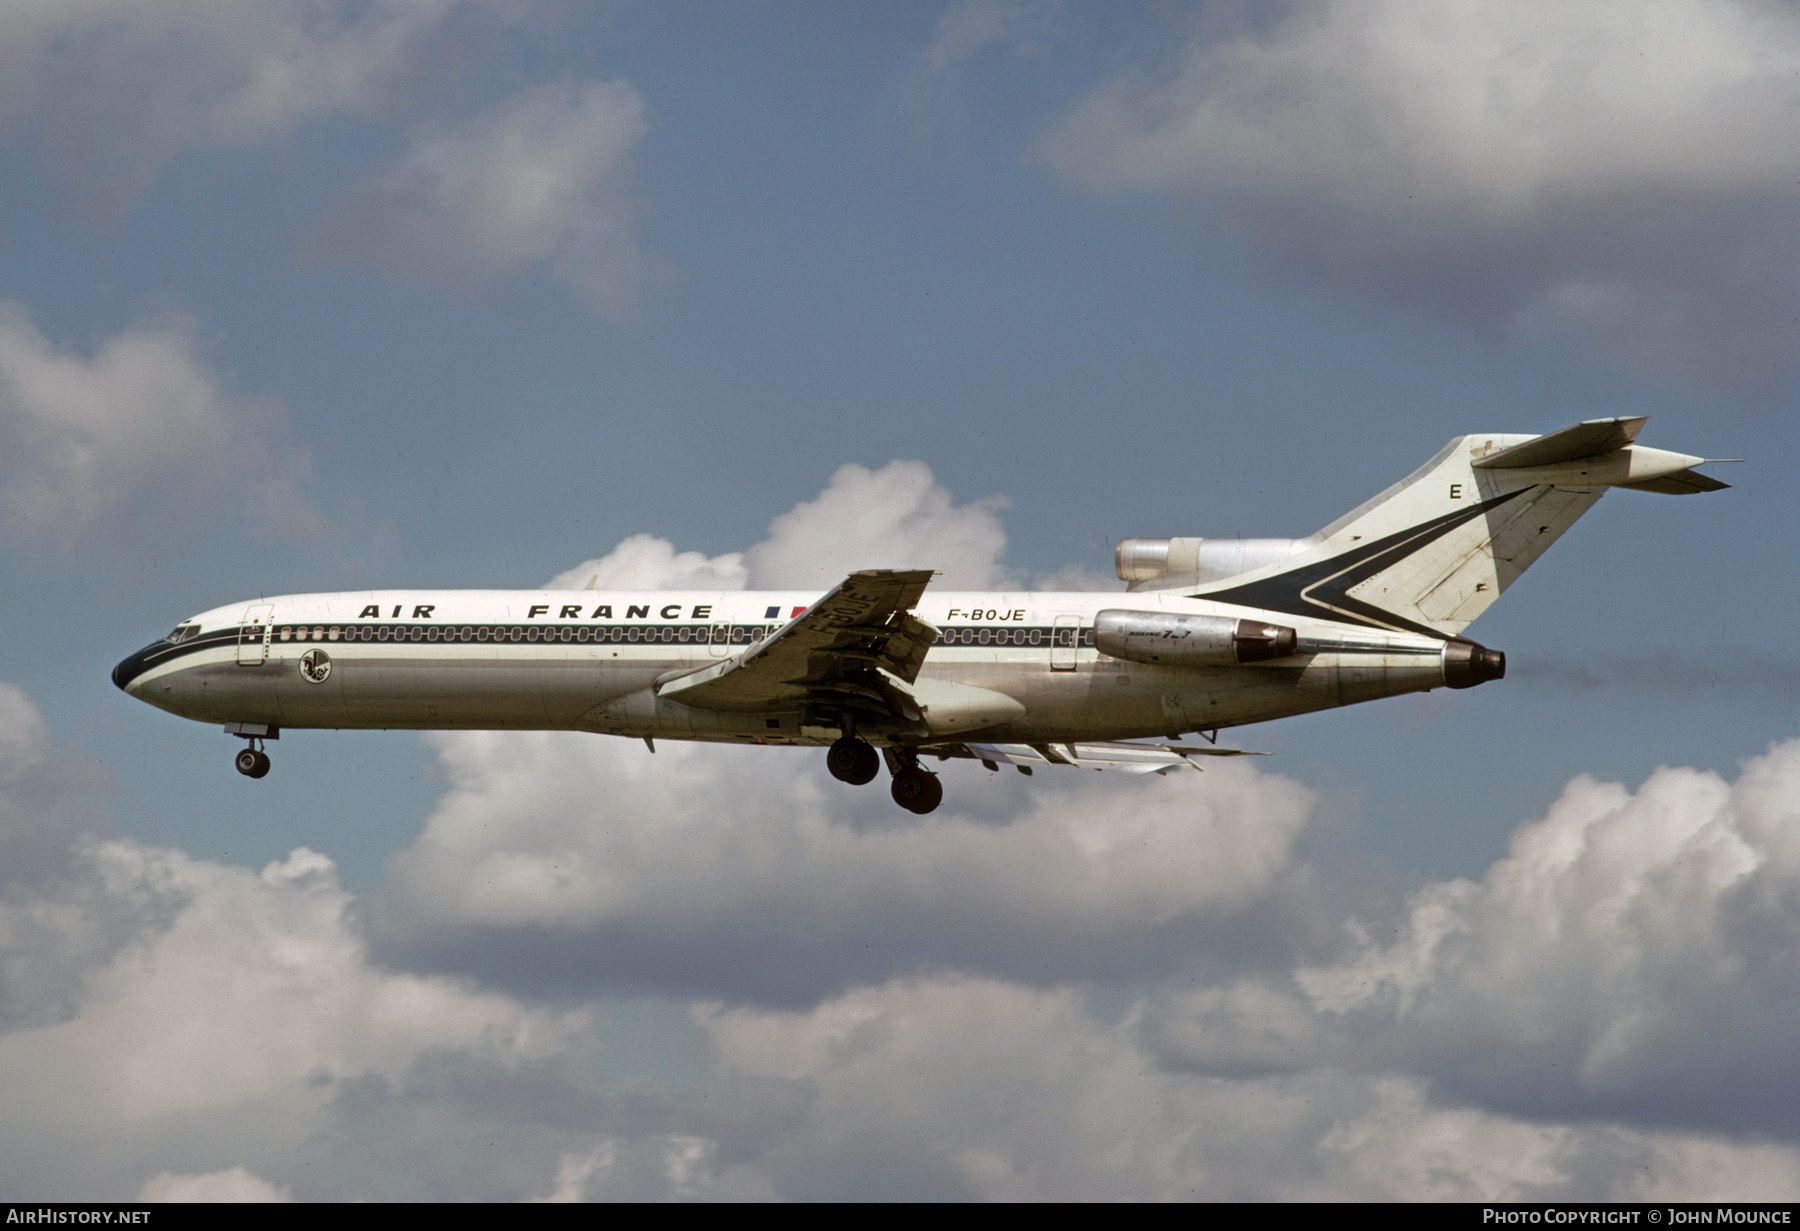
(314, 294)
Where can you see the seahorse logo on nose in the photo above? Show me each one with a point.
(315, 666)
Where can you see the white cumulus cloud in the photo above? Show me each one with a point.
(897, 516)
(117, 91)
(231, 1017)
(142, 424)
(1628, 166)
(233, 1185)
(547, 175)
(966, 29)
(970, 1088)
(178, 1028)
(645, 562)
(894, 517)
(1634, 955)
(121, 89)
(715, 868)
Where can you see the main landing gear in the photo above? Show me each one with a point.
(917, 790)
(851, 760)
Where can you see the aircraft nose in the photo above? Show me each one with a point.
(131, 667)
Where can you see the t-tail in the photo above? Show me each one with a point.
(1431, 552)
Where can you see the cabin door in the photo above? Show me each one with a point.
(253, 634)
(1065, 639)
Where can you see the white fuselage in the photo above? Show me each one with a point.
(592, 661)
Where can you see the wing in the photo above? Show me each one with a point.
(1132, 758)
(857, 649)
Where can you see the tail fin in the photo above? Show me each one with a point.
(1431, 552)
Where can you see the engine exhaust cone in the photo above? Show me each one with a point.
(1467, 664)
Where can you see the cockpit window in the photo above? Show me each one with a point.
(182, 633)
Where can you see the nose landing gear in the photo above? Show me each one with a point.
(252, 762)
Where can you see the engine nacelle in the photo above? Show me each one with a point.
(1189, 640)
(1161, 563)
(1467, 664)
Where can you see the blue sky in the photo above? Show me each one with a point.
(326, 296)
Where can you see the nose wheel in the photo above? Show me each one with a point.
(252, 762)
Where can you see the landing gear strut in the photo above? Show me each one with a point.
(916, 790)
(853, 761)
(252, 762)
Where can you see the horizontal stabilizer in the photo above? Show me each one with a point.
(1681, 483)
(1572, 443)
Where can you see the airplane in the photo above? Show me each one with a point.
(1209, 634)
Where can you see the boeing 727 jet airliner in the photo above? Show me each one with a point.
(1209, 634)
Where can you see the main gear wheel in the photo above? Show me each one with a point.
(853, 761)
(917, 790)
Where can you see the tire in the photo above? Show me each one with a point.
(252, 763)
(853, 761)
(917, 791)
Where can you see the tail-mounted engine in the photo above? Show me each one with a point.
(1161, 564)
(1467, 664)
(1189, 640)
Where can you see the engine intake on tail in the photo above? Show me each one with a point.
(1467, 664)
(1152, 564)
(1189, 640)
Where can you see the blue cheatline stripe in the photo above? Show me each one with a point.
(739, 635)
(735, 636)
(159, 652)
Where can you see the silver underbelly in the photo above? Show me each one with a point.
(571, 687)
